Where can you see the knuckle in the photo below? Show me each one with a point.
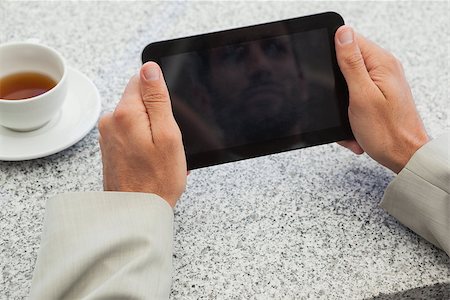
(155, 96)
(173, 137)
(120, 115)
(103, 124)
(394, 63)
(353, 61)
(170, 137)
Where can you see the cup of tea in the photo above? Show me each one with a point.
(33, 85)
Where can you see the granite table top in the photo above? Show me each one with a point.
(303, 224)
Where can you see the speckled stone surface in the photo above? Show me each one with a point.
(299, 225)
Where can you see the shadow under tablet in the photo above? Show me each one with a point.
(256, 90)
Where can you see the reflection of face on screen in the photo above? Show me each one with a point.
(252, 91)
(255, 89)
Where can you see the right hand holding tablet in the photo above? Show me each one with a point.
(382, 113)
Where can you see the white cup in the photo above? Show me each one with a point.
(32, 113)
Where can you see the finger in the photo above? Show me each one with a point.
(155, 95)
(373, 54)
(131, 97)
(130, 114)
(352, 145)
(350, 59)
(385, 69)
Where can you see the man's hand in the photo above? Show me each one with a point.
(382, 112)
(141, 144)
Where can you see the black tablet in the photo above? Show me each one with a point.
(255, 90)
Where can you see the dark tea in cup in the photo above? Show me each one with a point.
(33, 85)
(24, 85)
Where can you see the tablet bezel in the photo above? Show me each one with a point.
(329, 20)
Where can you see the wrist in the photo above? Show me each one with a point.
(404, 152)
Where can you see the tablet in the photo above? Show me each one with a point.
(256, 90)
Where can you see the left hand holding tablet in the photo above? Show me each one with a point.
(140, 141)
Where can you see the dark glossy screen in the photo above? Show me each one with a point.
(254, 91)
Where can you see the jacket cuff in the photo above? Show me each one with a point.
(105, 243)
(419, 196)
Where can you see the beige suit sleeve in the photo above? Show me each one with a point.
(419, 196)
(105, 246)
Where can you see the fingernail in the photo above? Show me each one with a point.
(346, 36)
(151, 72)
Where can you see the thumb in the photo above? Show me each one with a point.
(350, 59)
(155, 95)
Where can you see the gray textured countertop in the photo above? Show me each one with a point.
(302, 224)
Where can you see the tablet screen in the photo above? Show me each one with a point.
(255, 90)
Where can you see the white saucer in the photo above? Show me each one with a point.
(77, 117)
